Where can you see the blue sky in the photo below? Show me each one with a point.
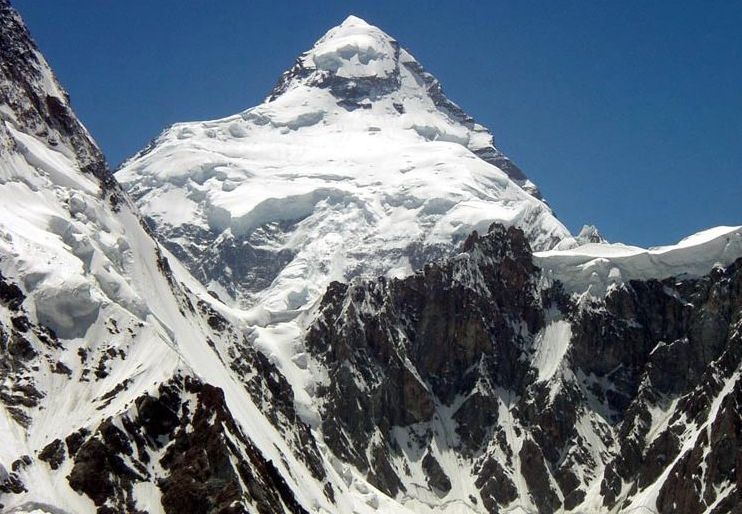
(627, 115)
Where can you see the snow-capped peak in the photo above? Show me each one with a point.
(356, 164)
(354, 49)
(360, 69)
(355, 21)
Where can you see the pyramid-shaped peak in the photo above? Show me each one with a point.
(353, 25)
(363, 69)
(355, 21)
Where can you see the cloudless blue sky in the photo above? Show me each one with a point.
(626, 114)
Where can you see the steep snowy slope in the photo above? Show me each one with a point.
(356, 164)
(112, 368)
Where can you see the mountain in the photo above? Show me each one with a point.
(344, 300)
(355, 165)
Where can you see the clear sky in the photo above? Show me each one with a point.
(627, 115)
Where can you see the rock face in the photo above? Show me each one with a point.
(449, 359)
(210, 464)
(584, 378)
(440, 335)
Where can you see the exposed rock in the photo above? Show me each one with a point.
(10, 294)
(396, 348)
(75, 440)
(496, 488)
(410, 341)
(202, 477)
(534, 470)
(53, 453)
(272, 393)
(10, 483)
(209, 461)
(437, 478)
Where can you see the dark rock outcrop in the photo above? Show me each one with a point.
(210, 464)
(534, 470)
(437, 478)
(397, 349)
(53, 453)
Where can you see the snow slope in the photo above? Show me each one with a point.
(355, 165)
(93, 319)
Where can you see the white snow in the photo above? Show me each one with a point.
(82, 267)
(595, 266)
(353, 49)
(551, 344)
(363, 184)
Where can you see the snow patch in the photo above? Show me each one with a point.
(550, 345)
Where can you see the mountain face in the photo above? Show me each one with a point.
(355, 165)
(479, 382)
(342, 300)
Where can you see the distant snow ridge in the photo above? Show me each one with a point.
(356, 164)
(596, 265)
